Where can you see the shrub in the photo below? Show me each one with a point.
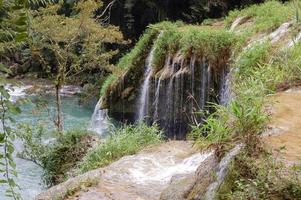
(126, 140)
(59, 157)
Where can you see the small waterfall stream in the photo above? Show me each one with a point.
(143, 100)
(99, 120)
(222, 172)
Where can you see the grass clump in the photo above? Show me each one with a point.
(207, 42)
(260, 177)
(188, 40)
(259, 70)
(126, 140)
(265, 17)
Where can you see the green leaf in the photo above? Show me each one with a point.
(4, 69)
(3, 181)
(11, 182)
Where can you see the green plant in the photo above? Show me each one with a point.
(297, 6)
(107, 83)
(64, 155)
(260, 177)
(7, 137)
(57, 158)
(265, 17)
(126, 140)
(214, 129)
(76, 47)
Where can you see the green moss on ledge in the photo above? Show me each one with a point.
(168, 39)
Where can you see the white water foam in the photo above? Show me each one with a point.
(100, 120)
(16, 92)
(149, 169)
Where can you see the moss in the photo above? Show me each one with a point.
(265, 17)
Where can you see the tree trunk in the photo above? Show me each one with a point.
(59, 120)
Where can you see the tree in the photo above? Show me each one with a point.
(76, 43)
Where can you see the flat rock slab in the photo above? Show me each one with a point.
(284, 136)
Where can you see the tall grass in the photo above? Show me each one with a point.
(126, 140)
(260, 177)
(259, 72)
(265, 17)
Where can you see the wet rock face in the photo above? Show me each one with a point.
(181, 88)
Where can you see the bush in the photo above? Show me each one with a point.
(57, 158)
(126, 140)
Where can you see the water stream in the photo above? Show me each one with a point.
(222, 172)
(100, 120)
(146, 174)
(143, 100)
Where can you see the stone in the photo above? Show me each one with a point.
(71, 185)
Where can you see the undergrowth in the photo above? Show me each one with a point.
(260, 177)
(58, 157)
(259, 71)
(126, 140)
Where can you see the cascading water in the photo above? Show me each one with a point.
(146, 174)
(144, 96)
(181, 87)
(100, 120)
(143, 100)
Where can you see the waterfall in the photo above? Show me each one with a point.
(100, 120)
(172, 94)
(143, 100)
(222, 172)
(225, 85)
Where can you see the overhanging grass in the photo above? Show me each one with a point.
(174, 37)
(126, 140)
(106, 84)
(137, 56)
